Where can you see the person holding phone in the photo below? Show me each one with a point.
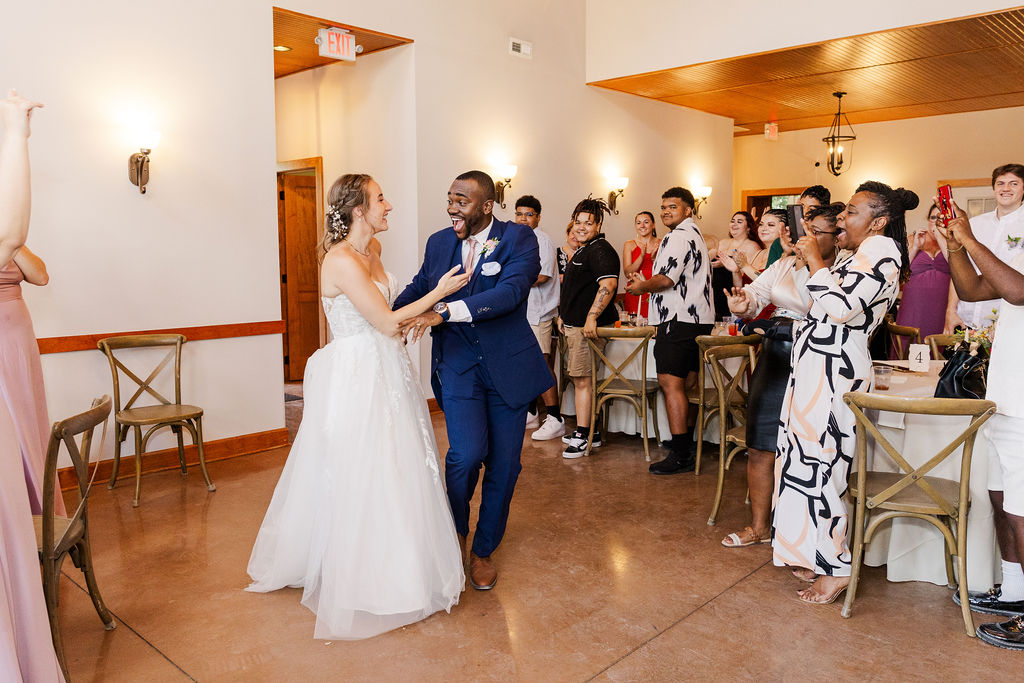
(1001, 232)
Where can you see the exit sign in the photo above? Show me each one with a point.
(337, 43)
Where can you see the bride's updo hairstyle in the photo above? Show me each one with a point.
(893, 204)
(347, 193)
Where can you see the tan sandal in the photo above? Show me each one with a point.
(735, 541)
(798, 573)
(826, 598)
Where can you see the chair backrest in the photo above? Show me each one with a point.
(708, 341)
(901, 337)
(642, 335)
(938, 343)
(978, 410)
(109, 345)
(729, 382)
(65, 432)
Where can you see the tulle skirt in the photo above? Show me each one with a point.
(360, 519)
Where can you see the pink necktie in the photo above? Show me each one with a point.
(471, 257)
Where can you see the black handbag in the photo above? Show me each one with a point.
(964, 374)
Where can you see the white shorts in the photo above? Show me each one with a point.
(1006, 461)
(542, 331)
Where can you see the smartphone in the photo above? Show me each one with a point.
(946, 202)
(796, 222)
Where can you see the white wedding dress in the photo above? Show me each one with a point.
(360, 519)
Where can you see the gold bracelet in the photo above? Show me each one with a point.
(953, 251)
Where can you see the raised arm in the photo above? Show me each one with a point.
(875, 266)
(32, 267)
(342, 270)
(995, 279)
(15, 202)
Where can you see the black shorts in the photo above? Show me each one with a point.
(675, 347)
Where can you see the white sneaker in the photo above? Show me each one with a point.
(532, 420)
(552, 428)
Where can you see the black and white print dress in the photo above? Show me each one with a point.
(816, 442)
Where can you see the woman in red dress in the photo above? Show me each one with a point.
(638, 255)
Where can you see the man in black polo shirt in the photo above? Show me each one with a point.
(588, 289)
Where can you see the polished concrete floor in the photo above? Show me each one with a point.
(606, 573)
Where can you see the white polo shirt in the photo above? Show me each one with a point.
(998, 235)
(542, 303)
(1006, 367)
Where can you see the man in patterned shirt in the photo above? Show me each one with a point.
(681, 306)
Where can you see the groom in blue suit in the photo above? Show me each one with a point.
(486, 365)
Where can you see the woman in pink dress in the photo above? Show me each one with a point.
(926, 293)
(26, 650)
(21, 374)
(638, 256)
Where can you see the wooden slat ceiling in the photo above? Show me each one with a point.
(298, 32)
(955, 66)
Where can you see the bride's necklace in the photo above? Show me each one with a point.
(356, 249)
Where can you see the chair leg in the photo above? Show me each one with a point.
(94, 591)
(654, 417)
(202, 454)
(699, 427)
(119, 435)
(950, 551)
(643, 422)
(858, 553)
(138, 466)
(51, 592)
(721, 483)
(181, 447)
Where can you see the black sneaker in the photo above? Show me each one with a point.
(571, 435)
(1007, 634)
(989, 603)
(577, 447)
(674, 464)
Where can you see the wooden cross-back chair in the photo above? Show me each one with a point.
(938, 343)
(901, 337)
(174, 414)
(912, 492)
(640, 392)
(60, 536)
(705, 397)
(732, 407)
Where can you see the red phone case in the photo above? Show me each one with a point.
(946, 201)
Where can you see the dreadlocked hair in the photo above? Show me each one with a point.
(596, 207)
(893, 205)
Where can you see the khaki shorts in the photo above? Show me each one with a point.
(578, 353)
(542, 331)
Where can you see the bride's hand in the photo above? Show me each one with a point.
(451, 283)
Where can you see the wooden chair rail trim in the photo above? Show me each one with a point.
(167, 459)
(87, 342)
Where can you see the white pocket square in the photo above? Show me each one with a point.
(490, 268)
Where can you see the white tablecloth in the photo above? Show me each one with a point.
(911, 549)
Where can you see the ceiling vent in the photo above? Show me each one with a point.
(520, 48)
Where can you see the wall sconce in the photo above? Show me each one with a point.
(701, 195)
(138, 163)
(618, 188)
(505, 174)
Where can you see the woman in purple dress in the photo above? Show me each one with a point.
(925, 295)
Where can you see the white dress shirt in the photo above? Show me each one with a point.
(542, 303)
(458, 310)
(996, 234)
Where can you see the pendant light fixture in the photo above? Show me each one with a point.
(839, 142)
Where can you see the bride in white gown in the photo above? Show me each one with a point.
(359, 519)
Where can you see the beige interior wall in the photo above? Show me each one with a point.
(625, 39)
(914, 153)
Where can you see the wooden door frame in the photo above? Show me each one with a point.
(773, 191)
(316, 164)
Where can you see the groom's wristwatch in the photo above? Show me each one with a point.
(442, 310)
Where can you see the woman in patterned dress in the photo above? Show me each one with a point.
(830, 357)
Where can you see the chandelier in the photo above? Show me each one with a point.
(840, 143)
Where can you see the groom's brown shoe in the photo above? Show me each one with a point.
(482, 574)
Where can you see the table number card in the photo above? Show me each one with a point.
(919, 356)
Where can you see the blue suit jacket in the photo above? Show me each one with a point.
(499, 337)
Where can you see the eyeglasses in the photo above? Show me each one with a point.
(816, 233)
(525, 214)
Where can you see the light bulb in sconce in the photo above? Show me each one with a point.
(138, 163)
(701, 194)
(619, 185)
(506, 172)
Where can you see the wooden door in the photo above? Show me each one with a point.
(300, 288)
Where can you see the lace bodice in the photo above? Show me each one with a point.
(345, 320)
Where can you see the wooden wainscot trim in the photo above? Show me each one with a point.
(87, 342)
(167, 459)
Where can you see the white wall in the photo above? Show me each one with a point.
(914, 153)
(632, 38)
(476, 106)
(200, 247)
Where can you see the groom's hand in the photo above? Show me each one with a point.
(418, 325)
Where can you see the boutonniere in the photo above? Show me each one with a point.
(490, 244)
(1013, 242)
